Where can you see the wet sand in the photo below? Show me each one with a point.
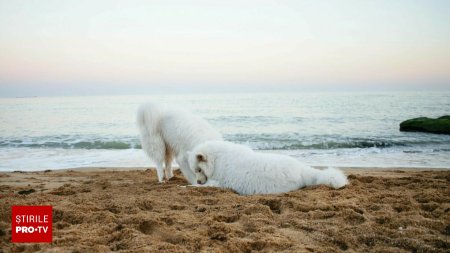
(127, 210)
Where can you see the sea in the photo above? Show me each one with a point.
(338, 129)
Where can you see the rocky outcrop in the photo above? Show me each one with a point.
(437, 126)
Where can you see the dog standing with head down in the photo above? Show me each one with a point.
(237, 167)
(167, 133)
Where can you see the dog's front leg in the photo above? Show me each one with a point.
(211, 183)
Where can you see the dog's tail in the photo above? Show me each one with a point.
(148, 117)
(332, 177)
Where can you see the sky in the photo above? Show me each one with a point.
(109, 47)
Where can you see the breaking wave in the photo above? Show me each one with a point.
(256, 141)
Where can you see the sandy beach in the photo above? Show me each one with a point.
(127, 210)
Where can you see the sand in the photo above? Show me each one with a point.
(103, 210)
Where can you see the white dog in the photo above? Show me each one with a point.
(228, 165)
(168, 133)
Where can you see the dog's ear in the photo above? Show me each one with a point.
(201, 157)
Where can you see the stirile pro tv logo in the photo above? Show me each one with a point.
(31, 224)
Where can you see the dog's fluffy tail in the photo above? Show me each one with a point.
(332, 177)
(148, 116)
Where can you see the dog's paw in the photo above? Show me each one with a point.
(189, 185)
(194, 185)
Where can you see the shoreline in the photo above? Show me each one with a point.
(37, 159)
(106, 209)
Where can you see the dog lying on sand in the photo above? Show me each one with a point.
(167, 133)
(228, 165)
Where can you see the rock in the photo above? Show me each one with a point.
(438, 126)
(26, 192)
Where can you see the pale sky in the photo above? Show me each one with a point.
(142, 47)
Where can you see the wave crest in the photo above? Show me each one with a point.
(255, 141)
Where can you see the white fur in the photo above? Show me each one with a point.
(228, 165)
(167, 133)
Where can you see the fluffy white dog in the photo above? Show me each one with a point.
(167, 133)
(228, 165)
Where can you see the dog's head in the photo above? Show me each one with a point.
(201, 166)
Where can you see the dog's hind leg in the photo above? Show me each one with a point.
(168, 163)
(155, 148)
(160, 172)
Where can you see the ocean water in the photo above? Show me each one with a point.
(320, 129)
